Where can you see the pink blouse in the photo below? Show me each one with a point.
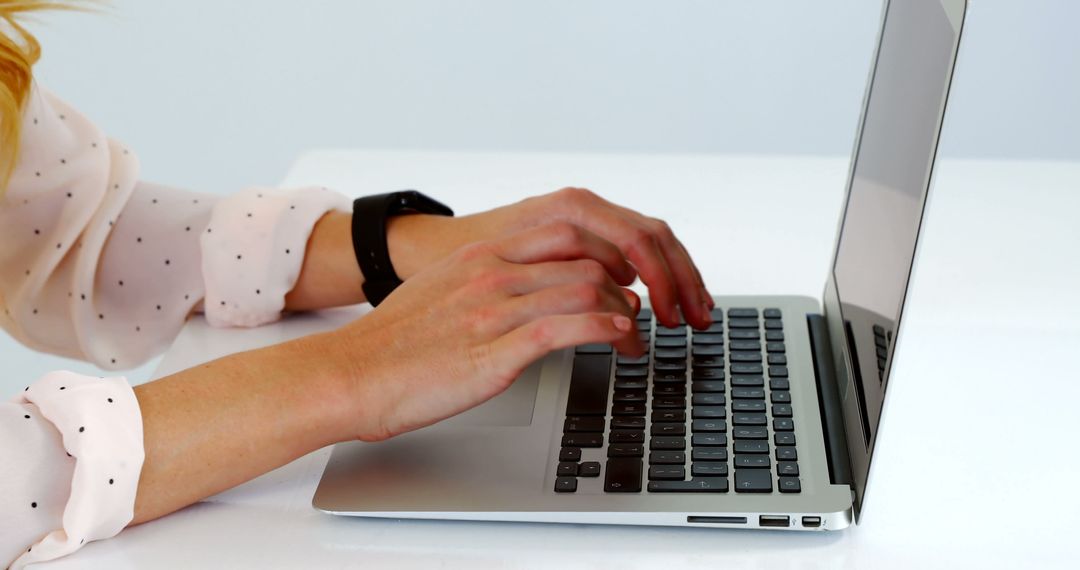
(98, 265)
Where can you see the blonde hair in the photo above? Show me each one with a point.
(19, 51)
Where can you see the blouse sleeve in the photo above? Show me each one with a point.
(98, 265)
(71, 447)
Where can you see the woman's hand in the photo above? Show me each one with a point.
(459, 332)
(648, 243)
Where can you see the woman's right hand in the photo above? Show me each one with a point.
(460, 332)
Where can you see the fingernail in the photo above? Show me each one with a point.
(622, 323)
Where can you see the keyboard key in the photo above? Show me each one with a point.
(707, 374)
(708, 469)
(708, 386)
(645, 314)
(708, 339)
(671, 331)
(709, 426)
(644, 326)
(745, 345)
(747, 406)
(753, 481)
(700, 350)
(593, 349)
(786, 438)
(716, 328)
(717, 315)
(744, 334)
(627, 436)
(668, 442)
(584, 424)
(708, 400)
(709, 440)
(627, 423)
(696, 485)
(751, 446)
(709, 454)
(775, 347)
(708, 362)
(745, 368)
(669, 429)
(667, 473)
(771, 313)
(631, 371)
(644, 338)
(669, 378)
(570, 454)
(565, 484)
(781, 397)
(583, 440)
(588, 385)
(670, 353)
(783, 424)
(754, 381)
(748, 393)
(750, 432)
(624, 396)
(752, 461)
(670, 342)
(745, 356)
(626, 450)
(710, 412)
(623, 360)
(774, 335)
(667, 457)
(787, 468)
(743, 323)
(780, 371)
(567, 469)
(623, 475)
(779, 384)
(624, 384)
(741, 313)
(669, 389)
(790, 485)
(777, 360)
(676, 366)
(668, 416)
(774, 324)
(781, 410)
(786, 454)
(744, 419)
(628, 410)
(669, 402)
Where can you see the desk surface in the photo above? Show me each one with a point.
(975, 464)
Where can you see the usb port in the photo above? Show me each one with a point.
(811, 522)
(774, 520)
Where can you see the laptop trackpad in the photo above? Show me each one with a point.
(514, 407)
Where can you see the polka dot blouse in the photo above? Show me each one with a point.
(98, 265)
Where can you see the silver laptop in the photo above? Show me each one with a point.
(766, 419)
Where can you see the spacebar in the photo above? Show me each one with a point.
(589, 382)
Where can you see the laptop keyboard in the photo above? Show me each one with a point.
(692, 415)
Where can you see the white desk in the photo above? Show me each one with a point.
(976, 462)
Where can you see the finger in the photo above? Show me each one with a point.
(567, 300)
(694, 298)
(526, 278)
(514, 351)
(564, 241)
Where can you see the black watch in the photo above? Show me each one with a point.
(370, 214)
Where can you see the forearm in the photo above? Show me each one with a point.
(330, 276)
(214, 426)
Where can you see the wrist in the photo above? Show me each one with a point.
(418, 240)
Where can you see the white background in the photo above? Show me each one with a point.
(217, 95)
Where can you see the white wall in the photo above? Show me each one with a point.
(215, 95)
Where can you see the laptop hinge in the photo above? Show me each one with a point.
(832, 419)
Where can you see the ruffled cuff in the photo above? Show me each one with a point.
(253, 250)
(101, 427)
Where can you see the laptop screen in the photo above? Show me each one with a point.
(889, 181)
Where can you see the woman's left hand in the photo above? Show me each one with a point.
(648, 243)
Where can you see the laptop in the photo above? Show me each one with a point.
(767, 419)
